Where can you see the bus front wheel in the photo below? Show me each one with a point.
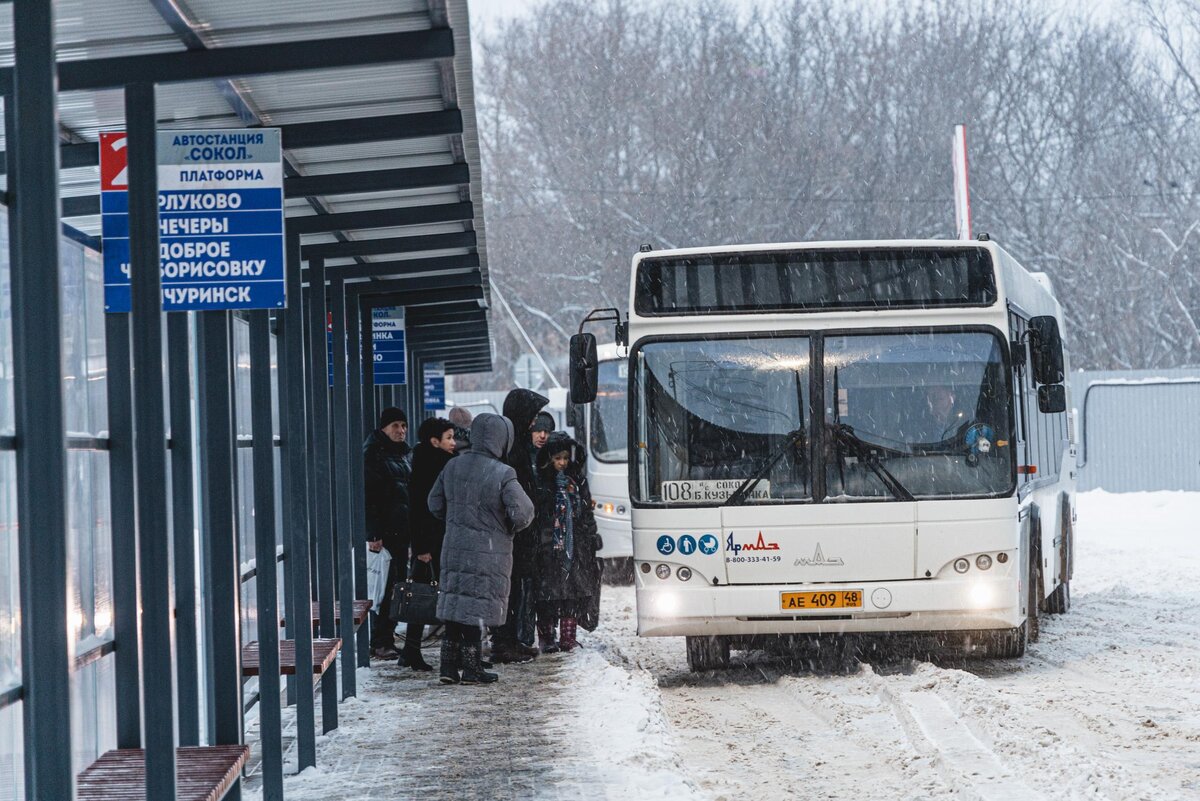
(707, 653)
(1009, 643)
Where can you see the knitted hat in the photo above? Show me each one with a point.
(390, 415)
(543, 422)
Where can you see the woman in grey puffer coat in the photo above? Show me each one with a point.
(482, 502)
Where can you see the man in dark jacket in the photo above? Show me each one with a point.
(434, 450)
(520, 407)
(387, 467)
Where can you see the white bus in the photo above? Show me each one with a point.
(605, 426)
(845, 438)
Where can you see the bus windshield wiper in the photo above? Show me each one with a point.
(740, 495)
(863, 451)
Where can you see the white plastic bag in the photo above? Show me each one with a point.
(378, 564)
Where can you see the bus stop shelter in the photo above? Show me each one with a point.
(181, 492)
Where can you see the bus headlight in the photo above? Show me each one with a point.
(683, 573)
(666, 604)
(663, 571)
(981, 595)
(983, 561)
(962, 565)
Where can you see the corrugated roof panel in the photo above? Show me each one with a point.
(365, 90)
(368, 165)
(372, 150)
(390, 200)
(224, 19)
(91, 29)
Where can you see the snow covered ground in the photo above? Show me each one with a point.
(1105, 706)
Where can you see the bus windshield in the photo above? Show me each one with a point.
(904, 415)
(715, 413)
(609, 430)
(931, 410)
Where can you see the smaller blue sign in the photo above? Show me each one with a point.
(708, 544)
(687, 544)
(435, 386)
(666, 545)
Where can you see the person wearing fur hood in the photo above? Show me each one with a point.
(568, 575)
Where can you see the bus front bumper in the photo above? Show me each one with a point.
(672, 608)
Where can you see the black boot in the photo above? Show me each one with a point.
(411, 657)
(449, 673)
(473, 672)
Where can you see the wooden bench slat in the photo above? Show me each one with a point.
(203, 773)
(361, 608)
(324, 652)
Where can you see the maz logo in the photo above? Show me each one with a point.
(819, 560)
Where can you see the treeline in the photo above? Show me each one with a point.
(609, 123)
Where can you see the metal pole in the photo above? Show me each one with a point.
(37, 394)
(183, 525)
(127, 657)
(370, 412)
(353, 446)
(219, 536)
(322, 524)
(150, 460)
(295, 503)
(270, 726)
(345, 518)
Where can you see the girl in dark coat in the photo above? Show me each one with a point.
(434, 450)
(568, 575)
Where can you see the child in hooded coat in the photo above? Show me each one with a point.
(568, 586)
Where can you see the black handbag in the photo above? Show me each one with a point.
(415, 602)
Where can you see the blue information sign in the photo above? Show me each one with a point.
(435, 386)
(220, 223)
(387, 326)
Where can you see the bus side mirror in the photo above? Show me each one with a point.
(583, 373)
(1047, 352)
(1052, 398)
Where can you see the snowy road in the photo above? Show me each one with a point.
(1105, 706)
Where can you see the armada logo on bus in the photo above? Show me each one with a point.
(758, 545)
(819, 560)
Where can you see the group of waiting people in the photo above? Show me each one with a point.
(495, 510)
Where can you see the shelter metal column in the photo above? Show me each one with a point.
(149, 443)
(127, 656)
(183, 526)
(322, 523)
(345, 518)
(223, 594)
(37, 394)
(358, 532)
(270, 727)
(295, 504)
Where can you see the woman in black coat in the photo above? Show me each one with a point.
(434, 450)
(568, 575)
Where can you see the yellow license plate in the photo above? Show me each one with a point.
(828, 599)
